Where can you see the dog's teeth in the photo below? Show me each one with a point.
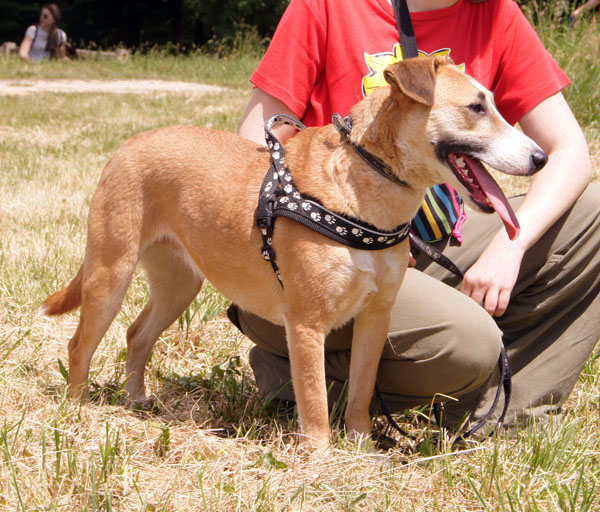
(460, 162)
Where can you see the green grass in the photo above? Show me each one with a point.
(232, 71)
(210, 443)
(576, 50)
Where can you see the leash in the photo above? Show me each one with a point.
(436, 256)
(506, 381)
(409, 50)
(506, 386)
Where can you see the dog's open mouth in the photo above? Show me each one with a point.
(484, 191)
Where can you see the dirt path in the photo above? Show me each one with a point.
(21, 87)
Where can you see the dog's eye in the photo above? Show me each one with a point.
(478, 108)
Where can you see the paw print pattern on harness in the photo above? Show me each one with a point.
(280, 197)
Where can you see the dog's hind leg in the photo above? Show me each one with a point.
(173, 285)
(103, 289)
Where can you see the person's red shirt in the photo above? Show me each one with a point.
(326, 54)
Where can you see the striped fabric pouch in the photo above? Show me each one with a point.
(442, 214)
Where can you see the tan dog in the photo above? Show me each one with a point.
(182, 202)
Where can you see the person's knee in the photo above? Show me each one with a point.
(474, 346)
(455, 355)
(464, 357)
(589, 201)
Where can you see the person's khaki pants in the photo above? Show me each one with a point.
(442, 342)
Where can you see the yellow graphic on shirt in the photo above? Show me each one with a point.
(379, 61)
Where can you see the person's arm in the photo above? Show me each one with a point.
(286, 76)
(25, 48)
(589, 5)
(260, 107)
(552, 192)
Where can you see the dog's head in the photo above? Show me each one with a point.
(459, 127)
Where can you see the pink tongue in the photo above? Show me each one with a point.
(496, 196)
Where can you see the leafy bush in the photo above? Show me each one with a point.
(135, 23)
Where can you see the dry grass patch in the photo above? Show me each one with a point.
(210, 443)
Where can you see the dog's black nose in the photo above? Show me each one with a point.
(538, 159)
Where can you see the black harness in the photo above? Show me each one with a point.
(279, 197)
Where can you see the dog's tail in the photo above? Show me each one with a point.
(64, 300)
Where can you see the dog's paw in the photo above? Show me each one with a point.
(314, 453)
(141, 403)
(146, 404)
(313, 446)
(361, 442)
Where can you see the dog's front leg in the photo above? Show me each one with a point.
(306, 342)
(369, 337)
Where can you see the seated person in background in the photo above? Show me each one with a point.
(587, 6)
(44, 40)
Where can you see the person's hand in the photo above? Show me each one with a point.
(490, 280)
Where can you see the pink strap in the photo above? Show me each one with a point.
(456, 231)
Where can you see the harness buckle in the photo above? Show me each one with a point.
(264, 214)
(342, 125)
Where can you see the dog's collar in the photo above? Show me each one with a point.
(344, 127)
(280, 197)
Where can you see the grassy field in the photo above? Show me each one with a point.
(210, 444)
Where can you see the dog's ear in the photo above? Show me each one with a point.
(415, 77)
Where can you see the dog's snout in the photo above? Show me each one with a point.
(538, 159)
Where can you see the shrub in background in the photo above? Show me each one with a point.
(182, 24)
